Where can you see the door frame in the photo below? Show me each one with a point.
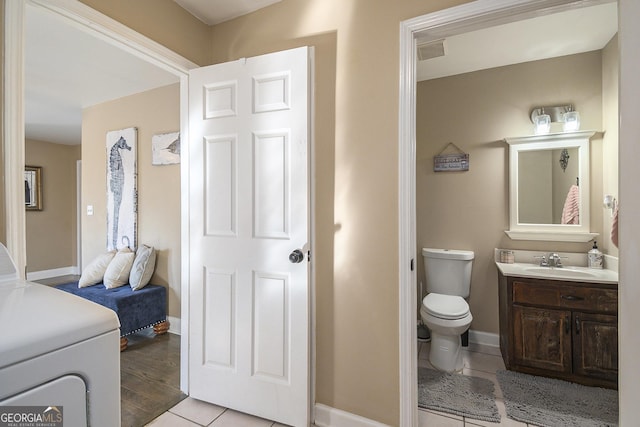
(78, 217)
(460, 19)
(89, 20)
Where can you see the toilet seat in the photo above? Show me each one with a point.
(449, 307)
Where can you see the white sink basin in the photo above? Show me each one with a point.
(569, 273)
(562, 272)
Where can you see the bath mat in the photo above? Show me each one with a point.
(549, 402)
(457, 394)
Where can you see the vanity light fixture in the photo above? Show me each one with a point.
(542, 117)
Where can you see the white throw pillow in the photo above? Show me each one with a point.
(143, 267)
(117, 273)
(94, 272)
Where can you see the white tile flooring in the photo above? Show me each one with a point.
(195, 413)
(479, 361)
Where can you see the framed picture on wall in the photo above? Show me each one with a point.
(33, 188)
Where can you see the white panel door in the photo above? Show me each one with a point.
(249, 201)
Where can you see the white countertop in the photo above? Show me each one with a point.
(574, 267)
(568, 273)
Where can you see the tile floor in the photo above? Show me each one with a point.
(194, 413)
(479, 361)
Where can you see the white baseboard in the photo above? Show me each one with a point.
(174, 325)
(484, 338)
(56, 272)
(326, 416)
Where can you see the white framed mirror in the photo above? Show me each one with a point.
(549, 196)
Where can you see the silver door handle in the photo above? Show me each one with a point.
(296, 256)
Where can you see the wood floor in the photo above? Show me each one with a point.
(149, 372)
(149, 377)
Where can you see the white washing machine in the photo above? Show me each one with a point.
(57, 350)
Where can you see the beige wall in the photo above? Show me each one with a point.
(476, 111)
(163, 21)
(52, 232)
(153, 112)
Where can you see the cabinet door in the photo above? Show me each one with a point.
(542, 338)
(595, 345)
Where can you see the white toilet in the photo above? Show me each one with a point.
(444, 310)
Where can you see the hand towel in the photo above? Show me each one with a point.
(614, 227)
(571, 210)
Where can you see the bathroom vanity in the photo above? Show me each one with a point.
(560, 323)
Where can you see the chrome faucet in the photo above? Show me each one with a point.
(555, 260)
(543, 261)
(551, 260)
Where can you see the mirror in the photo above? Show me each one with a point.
(549, 187)
(546, 180)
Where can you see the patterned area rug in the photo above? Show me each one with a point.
(549, 402)
(457, 394)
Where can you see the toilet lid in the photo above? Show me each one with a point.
(446, 306)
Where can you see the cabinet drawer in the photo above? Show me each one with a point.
(580, 297)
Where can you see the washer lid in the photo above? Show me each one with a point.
(39, 319)
(446, 306)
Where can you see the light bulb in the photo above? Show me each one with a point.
(542, 124)
(571, 121)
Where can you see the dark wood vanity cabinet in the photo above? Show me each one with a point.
(561, 329)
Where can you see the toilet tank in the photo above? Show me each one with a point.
(448, 271)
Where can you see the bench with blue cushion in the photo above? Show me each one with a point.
(136, 310)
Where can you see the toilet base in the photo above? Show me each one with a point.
(445, 353)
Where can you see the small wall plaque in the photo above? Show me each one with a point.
(451, 162)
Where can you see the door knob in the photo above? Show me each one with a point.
(296, 256)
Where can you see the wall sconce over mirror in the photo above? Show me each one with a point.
(564, 159)
(542, 117)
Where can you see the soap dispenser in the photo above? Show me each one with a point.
(595, 258)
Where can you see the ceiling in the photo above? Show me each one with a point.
(213, 12)
(564, 33)
(68, 69)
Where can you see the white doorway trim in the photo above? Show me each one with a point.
(459, 19)
(81, 16)
(78, 216)
(13, 133)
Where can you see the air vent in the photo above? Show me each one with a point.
(431, 50)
